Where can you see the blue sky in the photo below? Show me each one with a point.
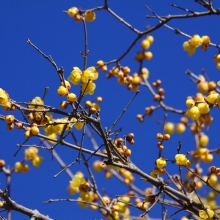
(25, 73)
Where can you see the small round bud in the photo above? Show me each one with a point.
(161, 147)
(184, 120)
(131, 141)
(67, 84)
(140, 118)
(166, 137)
(148, 55)
(136, 80)
(9, 118)
(203, 86)
(130, 136)
(62, 91)
(150, 39)
(145, 44)
(161, 91)
(157, 97)
(92, 110)
(126, 70)
(71, 97)
(158, 82)
(190, 103)
(88, 104)
(10, 126)
(27, 134)
(205, 40)
(18, 125)
(159, 136)
(169, 127)
(100, 63)
(35, 130)
(139, 56)
(2, 163)
(154, 84)
(78, 18)
(99, 99)
(127, 152)
(180, 128)
(104, 68)
(120, 74)
(212, 85)
(64, 105)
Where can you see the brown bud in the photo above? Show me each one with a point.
(92, 110)
(157, 97)
(131, 141)
(161, 91)
(18, 125)
(158, 82)
(154, 84)
(130, 136)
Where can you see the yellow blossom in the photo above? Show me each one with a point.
(3, 97)
(161, 163)
(203, 214)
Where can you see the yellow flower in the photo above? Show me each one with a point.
(90, 73)
(3, 97)
(88, 88)
(182, 160)
(195, 41)
(154, 173)
(75, 76)
(37, 161)
(203, 214)
(194, 113)
(161, 163)
(30, 153)
(37, 100)
(189, 48)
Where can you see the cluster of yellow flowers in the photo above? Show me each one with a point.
(21, 167)
(205, 214)
(89, 15)
(195, 41)
(182, 160)
(145, 44)
(128, 177)
(56, 126)
(121, 206)
(90, 73)
(200, 105)
(31, 154)
(203, 154)
(79, 184)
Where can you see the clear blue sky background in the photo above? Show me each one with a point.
(25, 73)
